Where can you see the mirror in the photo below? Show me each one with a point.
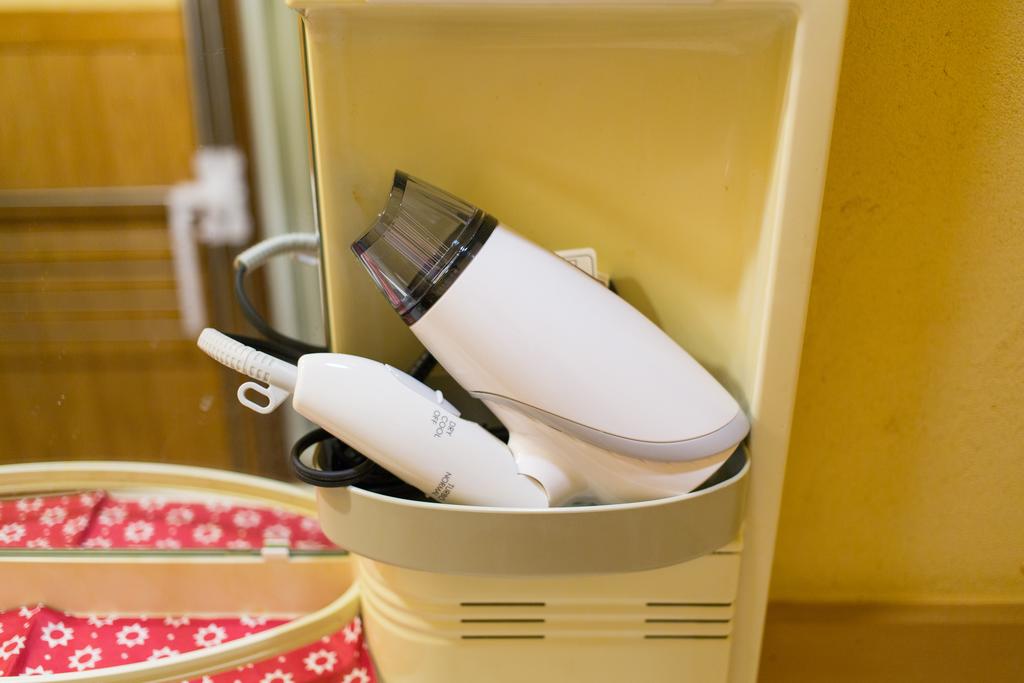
(108, 109)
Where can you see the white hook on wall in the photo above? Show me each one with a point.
(212, 209)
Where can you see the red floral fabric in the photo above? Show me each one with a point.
(95, 519)
(48, 522)
(41, 640)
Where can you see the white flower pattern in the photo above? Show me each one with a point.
(11, 533)
(53, 516)
(217, 506)
(357, 675)
(138, 532)
(352, 632)
(210, 635)
(207, 534)
(277, 676)
(86, 658)
(89, 498)
(11, 647)
(162, 653)
(115, 514)
(320, 662)
(29, 612)
(246, 519)
(75, 525)
(36, 671)
(132, 635)
(151, 503)
(29, 505)
(56, 633)
(179, 516)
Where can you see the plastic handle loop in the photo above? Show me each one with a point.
(275, 397)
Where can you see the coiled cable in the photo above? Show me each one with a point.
(337, 463)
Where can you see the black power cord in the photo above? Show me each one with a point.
(271, 348)
(330, 474)
(337, 463)
(261, 325)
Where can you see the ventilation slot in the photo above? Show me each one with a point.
(682, 637)
(516, 623)
(686, 621)
(503, 621)
(495, 637)
(689, 604)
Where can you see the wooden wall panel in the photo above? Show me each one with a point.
(93, 361)
(93, 116)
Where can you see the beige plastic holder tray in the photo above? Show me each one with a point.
(604, 539)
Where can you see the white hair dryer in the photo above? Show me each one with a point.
(600, 404)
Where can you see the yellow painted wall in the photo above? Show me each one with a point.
(906, 470)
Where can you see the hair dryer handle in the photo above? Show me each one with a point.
(409, 429)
